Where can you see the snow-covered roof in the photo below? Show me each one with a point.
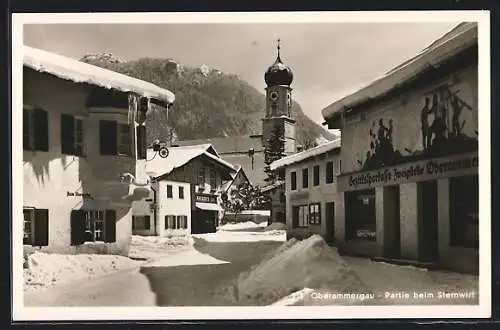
(458, 39)
(80, 72)
(178, 156)
(272, 186)
(300, 156)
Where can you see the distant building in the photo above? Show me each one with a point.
(84, 153)
(408, 181)
(311, 191)
(190, 175)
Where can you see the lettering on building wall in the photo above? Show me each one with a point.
(78, 194)
(423, 170)
(441, 132)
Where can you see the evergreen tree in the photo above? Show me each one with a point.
(275, 149)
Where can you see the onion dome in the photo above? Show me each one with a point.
(278, 73)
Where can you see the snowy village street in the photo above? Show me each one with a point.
(247, 264)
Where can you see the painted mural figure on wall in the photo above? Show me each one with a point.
(442, 132)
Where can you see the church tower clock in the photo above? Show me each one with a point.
(278, 78)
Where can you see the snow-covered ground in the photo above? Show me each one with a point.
(46, 270)
(243, 236)
(242, 226)
(186, 258)
(156, 247)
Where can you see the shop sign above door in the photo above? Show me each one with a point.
(430, 169)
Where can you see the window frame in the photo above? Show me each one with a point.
(92, 218)
(305, 178)
(144, 217)
(329, 173)
(120, 145)
(296, 215)
(29, 240)
(315, 215)
(293, 180)
(212, 183)
(201, 176)
(316, 171)
(170, 191)
(181, 192)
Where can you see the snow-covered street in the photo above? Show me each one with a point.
(240, 264)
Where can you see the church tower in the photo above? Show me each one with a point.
(278, 78)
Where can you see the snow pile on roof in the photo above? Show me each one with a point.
(242, 225)
(243, 236)
(300, 156)
(179, 156)
(79, 72)
(50, 269)
(155, 247)
(276, 226)
(296, 265)
(459, 38)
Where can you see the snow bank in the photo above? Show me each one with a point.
(294, 266)
(51, 269)
(242, 236)
(242, 225)
(185, 258)
(276, 226)
(155, 247)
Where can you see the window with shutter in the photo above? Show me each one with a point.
(41, 128)
(77, 227)
(141, 142)
(169, 191)
(41, 237)
(108, 135)
(181, 192)
(305, 178)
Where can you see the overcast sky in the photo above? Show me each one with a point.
(329, 60)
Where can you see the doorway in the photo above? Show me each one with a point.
(428, 221)
(392, 222)
(330, 222)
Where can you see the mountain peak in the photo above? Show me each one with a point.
(101, 57)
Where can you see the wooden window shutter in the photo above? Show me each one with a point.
(41, 128)
(26, 130)
(110, 231)
(166, 221)
(141, 142)
(41, 234)
(77, 227)
(133, 222)
(108, 137)
(67, 134)
(147, 224)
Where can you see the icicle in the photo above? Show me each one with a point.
(132, 108)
